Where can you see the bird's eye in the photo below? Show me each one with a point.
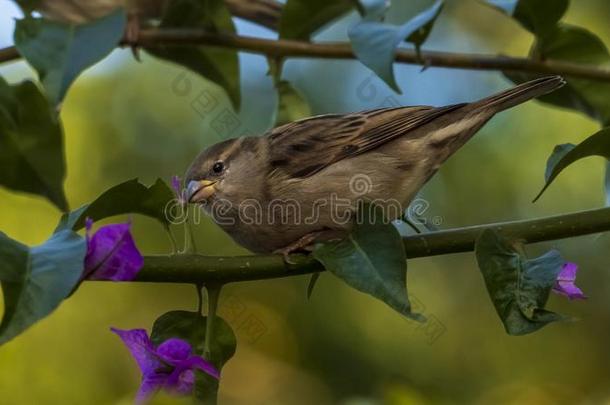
(218, 167)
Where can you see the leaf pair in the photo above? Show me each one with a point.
(559, 41)
(31, 135)
(60, 52)
(375, 43)
(36, 279)
(519, 287)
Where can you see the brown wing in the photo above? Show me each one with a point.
(304, 147)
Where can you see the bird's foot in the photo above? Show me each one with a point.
(303, 243)
(132, 34)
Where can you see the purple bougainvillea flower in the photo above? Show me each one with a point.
(170, 366)
(177, 187)
(564, 284)
(112, 253)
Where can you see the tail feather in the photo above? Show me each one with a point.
(520, 94)
(463, 123)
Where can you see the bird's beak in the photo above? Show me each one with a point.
(200, 190)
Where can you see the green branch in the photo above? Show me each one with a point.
(341, 50)
(189, 268)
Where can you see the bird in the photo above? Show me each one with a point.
(302, 183)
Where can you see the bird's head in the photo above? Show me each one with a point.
(223, 171)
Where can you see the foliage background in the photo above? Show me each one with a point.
(123, 120)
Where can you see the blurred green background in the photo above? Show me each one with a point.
(125, 119)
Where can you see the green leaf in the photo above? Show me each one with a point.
(302, 18)
(425, 21)
(126, 198)
(558, 153)
(292, 105)
(206, 387)
(595, 145)
(577, 45)
(35, 280)
(312, 284)
(220, 66)
(540, 17)
(190, 326)
(519, 288)
(371, 259)
(375, 43)
(60, 52)
(31, 143)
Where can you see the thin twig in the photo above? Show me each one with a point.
(210, 323)
(214, 269)
(340, 50)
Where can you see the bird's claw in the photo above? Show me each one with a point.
(305, 243)
(286, 252)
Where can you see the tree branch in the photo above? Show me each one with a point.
(333, 50)
(190, 268)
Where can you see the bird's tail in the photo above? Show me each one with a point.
(519, 94)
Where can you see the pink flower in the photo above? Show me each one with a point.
(112, 253)
(565, 283)
(176, 184)
(170, 366)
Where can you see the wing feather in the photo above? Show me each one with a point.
(303, 148)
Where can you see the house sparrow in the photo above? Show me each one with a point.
(302, 182)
